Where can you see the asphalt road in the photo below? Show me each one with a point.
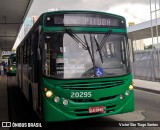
(147, 108)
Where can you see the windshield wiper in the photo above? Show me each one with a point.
(105, 39)
(79, 40)
(85, 45)
(88, 48)
(98, 49)
(94, 65)
(76, 38)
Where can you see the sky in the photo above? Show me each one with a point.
(132, 10)
(136, 11)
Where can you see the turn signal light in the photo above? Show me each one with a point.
(45, 89)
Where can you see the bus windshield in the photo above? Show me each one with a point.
(13, 61)
(64, 57)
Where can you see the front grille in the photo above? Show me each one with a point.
(92, 85)
(82, 100)
(107, 98)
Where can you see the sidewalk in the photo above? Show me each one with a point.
(147, 85)
(3, 101)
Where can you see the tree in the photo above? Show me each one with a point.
(149, 47)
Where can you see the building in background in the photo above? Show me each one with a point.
(35, 18)
(27, 25)
(131, 23)
(138, 45)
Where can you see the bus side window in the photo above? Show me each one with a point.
(35, 65)
(29, 52)
(24, 52)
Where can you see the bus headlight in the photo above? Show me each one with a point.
(65, 102)
(131, 87)
(56, 99)
(49, 93)
(127, 93)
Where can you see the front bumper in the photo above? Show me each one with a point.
(73, 111)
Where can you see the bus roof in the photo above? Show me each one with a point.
(83, 11)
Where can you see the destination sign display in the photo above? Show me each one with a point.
(95, 20)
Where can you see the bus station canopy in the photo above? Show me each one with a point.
(12, 15)
(143, 30)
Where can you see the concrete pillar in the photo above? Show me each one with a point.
(131, 51)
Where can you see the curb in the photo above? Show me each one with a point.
(148, 90)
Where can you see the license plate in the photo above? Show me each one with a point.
(96, 109)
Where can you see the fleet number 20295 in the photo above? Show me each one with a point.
(81, 94)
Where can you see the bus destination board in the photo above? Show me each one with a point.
(95, 20)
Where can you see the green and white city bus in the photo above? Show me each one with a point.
(11, 68)
(75, 65)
